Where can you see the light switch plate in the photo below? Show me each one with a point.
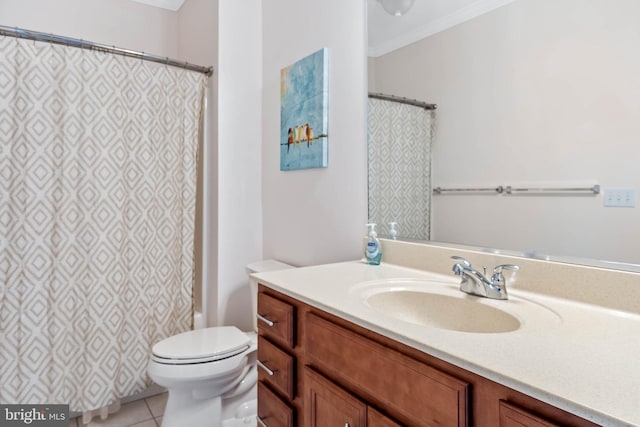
(620, 197)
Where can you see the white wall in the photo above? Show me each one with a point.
(122, 23)
(536, 92)
(316, 216)
(239, 163)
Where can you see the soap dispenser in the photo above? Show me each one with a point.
(393, 233)
(373, 251)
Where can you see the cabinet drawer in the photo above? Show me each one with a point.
(410, 391)
(276, 367)
(512, 416)
(272, 411)
(276, 320)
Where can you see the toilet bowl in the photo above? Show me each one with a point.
(210, 373)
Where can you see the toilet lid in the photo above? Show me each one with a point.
(202, 344)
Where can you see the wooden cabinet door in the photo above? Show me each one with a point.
(376, 419)
(430, 398)
(328, 405)
(512, 416)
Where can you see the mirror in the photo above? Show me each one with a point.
(535, 94)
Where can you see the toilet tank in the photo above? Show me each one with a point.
(261, 267)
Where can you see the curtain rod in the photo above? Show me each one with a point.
(83, 44)
(403, 100)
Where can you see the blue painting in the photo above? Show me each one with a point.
(303, 113)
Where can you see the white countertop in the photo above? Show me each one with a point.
(582, 358)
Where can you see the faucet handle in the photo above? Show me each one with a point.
(501, 267)
(497, 277)
(462, 260)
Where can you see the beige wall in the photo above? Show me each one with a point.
(122, 23)
(238, 166)
(537, 92)
(316, 216)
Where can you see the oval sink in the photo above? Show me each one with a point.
(443, 311)
(442, 305)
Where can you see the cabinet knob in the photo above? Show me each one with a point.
(346, 424)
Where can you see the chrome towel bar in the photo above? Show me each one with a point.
(595, 189)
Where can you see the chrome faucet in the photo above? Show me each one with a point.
(475, 283)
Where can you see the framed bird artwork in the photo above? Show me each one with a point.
(304, 98)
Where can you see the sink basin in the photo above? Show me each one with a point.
(444, 306)
(444, 311)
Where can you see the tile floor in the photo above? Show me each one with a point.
(141, 413)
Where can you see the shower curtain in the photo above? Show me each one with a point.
(97, 202)
(400, 137)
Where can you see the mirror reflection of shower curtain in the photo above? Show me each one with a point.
(400, 137)
(97, 203)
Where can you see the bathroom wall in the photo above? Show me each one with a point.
(540, 92)
(122, 23)
(227, 34)
(239, 222)
(316, 216)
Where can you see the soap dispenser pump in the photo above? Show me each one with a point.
(373, 251)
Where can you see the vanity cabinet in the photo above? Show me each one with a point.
(343, 374)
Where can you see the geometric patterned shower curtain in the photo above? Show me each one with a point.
(399, 149)
(97, 202)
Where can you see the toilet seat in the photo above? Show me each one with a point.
(201, 346)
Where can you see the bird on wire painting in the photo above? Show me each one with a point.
(303, 113)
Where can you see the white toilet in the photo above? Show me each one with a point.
(211, 373)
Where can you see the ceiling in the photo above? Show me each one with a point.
(387, 33)
(426, 17)
(165, 4)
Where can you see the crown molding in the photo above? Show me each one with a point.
(173, 5)
(464, 14)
